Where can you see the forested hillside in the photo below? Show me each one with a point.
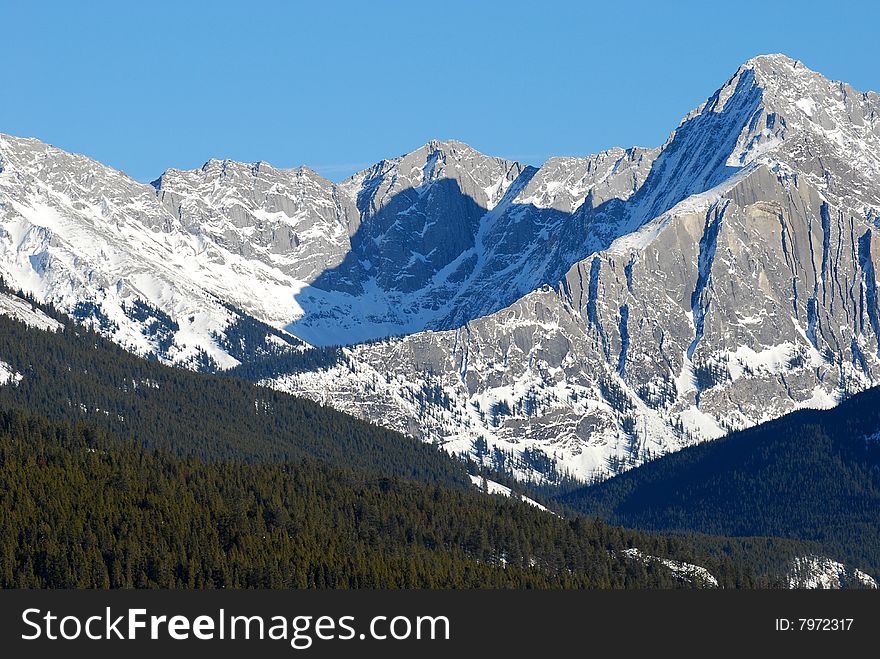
(79, 508)
(811, 475)
(75, 374)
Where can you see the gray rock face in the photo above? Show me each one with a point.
(731, 279)
(418, 214)
(446, 235)
(289, 219)
(105, 249)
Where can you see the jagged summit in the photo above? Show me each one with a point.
(788, 117)
(225, 168)
(771, 60)
(784, 79)
(432, 152)
(448, 145)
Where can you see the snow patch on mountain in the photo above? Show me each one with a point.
(689, 572)
(15, 307)
(8, 374)
(491, 487)
(822, 573)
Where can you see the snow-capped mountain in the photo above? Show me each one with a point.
(117, 254)
(737, 282)
(292, 220)
(584, 315)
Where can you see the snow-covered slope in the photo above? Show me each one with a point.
(15, 307)
(491, 487)
(8, 374)
(735, 283)
(292, 220)
(105, 249)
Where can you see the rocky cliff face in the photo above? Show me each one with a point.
(293, 219)
(734, 282)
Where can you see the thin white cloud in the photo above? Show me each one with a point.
(340, 167)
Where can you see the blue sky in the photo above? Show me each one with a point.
(338, 85)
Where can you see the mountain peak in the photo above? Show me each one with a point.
(772, 60)
(433, 160)
(777, 72)
(447, 145)
(787, 81)
(784, 113)
(456, 148)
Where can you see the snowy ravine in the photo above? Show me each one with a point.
(579, 317)
(747, 290)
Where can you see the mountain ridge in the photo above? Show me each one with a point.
(640, 331)
(600, 310)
